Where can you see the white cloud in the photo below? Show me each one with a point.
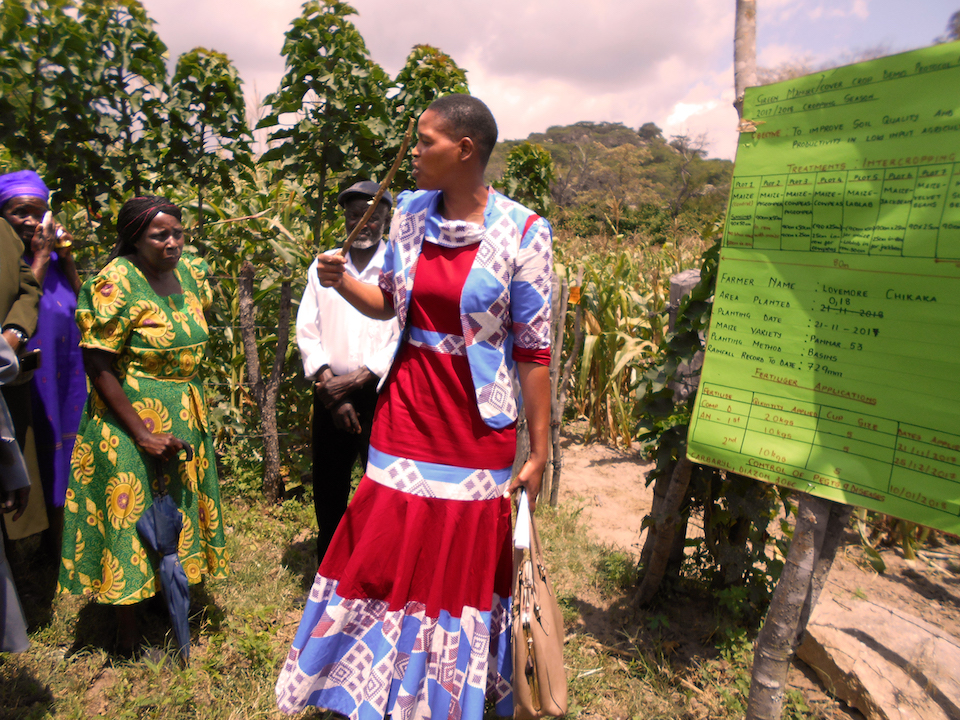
(249, 31)
(857, 8)
(537, 63)
(540, 62)
(543, 63)
(682, 111)
(781, 12)
(775, 55)
(778, 12)
(599, 43)
(707, 109)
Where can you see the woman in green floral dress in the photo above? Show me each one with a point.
(143, 334)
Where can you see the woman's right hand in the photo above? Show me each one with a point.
(103, 377)
(163, 446)
(330, 269)
(50, 237)
(43, 240)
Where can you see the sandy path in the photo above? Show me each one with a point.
(610, 487)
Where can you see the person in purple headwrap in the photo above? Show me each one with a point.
(19, 289)
(58, 387)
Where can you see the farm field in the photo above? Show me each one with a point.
(631, 208)
(668, 661)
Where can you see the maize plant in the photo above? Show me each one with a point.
(623, 311)
(614, 303)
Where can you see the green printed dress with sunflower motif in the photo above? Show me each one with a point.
(158, 343)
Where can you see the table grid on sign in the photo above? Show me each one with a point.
(903, 211)
(780, 437)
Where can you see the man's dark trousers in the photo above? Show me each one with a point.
(334, 453)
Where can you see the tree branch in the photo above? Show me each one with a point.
(247, 319)
(283, 336)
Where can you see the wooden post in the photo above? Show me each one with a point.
(662, 532)
(816, 537)
(685, 384)
(567, 374)
(523, 444)
(550, 486)
(744, 50)
(551, 473)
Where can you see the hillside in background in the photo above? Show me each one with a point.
(613, 179)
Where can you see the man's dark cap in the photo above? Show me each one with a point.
(364, 188)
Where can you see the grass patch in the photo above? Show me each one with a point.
(241, 630)
(619, 664)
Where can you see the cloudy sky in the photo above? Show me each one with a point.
(538, 63)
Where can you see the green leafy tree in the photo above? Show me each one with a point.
(687, 173)
(618, 178)
(575, 165)
(329, 118)
(650, 131)
(261, 245)
(428, 74)
(590, 158)
(611, 179)
(126, 86)
(528, 176)
(208, 134)
(46, 122)
(81, 96)
(330, 112)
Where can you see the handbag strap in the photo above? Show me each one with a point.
(521, 531)
(527, 538)
(536, 551)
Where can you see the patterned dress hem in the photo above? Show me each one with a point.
(366, 661)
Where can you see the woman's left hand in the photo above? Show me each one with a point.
(529, 478)
(163, 446)
(63, 242)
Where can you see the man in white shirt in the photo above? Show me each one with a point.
(345, 354)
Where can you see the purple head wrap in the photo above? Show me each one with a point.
(25, 183)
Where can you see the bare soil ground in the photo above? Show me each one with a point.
(609, 486)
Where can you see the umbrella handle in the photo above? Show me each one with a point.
(158, 469)
(161, 483)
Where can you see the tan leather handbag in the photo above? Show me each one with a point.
(539, 678)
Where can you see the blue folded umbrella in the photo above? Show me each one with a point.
(160, 527)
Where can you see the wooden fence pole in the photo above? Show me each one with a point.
(686, 381)
(551, 473)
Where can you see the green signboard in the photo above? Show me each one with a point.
(833, 358)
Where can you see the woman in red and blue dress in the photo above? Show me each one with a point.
(409, 615)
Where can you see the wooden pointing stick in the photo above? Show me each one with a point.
(375, 201)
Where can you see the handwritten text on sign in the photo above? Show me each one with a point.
(833, 360)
